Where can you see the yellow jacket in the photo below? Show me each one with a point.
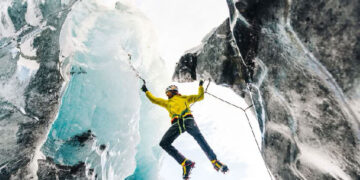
(178, 103)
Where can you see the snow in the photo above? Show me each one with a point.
(14, 89)
(6, 27)
(30, 66)
(34, 166)
(33, 14)
(27, 48)
(323, 162)
(14, 52)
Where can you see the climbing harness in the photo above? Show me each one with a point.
(180, 119)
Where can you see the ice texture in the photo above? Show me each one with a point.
(304, 92)
(103, 94)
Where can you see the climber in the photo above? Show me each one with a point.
(182, 120)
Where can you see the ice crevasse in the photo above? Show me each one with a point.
(103, 103)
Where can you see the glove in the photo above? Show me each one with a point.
(201, 82)
(143, 88)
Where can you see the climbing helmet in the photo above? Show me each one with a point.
(171, 88)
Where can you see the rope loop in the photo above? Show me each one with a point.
(248, 120)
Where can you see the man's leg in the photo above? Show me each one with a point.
(171, 134)
(193, 130)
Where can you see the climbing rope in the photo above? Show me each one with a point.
(248, 120)
(229, 102)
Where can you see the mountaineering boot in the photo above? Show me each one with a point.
(219, 166)
(187, 167)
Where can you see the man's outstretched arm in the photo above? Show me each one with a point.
(199, 96)
(153, 99)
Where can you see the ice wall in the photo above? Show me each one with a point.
(103, 93)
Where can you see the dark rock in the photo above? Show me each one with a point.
(17, 13)
(27, 123)
(48, 170)
(196, 61)
(81, 138)
(336, 35)
(305, 95)
(79, 146)
(187, 72)
(102, 147)
(75, 70)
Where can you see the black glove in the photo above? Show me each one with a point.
(201, 82)
(143, 88)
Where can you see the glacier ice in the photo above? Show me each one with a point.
(104, 119)
(103, 92)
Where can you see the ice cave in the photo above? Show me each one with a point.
(281, 80)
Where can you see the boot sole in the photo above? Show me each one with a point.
(192, 166)
(225, 169)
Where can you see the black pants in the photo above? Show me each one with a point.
(173, 132)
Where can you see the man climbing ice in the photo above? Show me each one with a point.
(182, 120)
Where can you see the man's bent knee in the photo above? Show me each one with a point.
(164, 144)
